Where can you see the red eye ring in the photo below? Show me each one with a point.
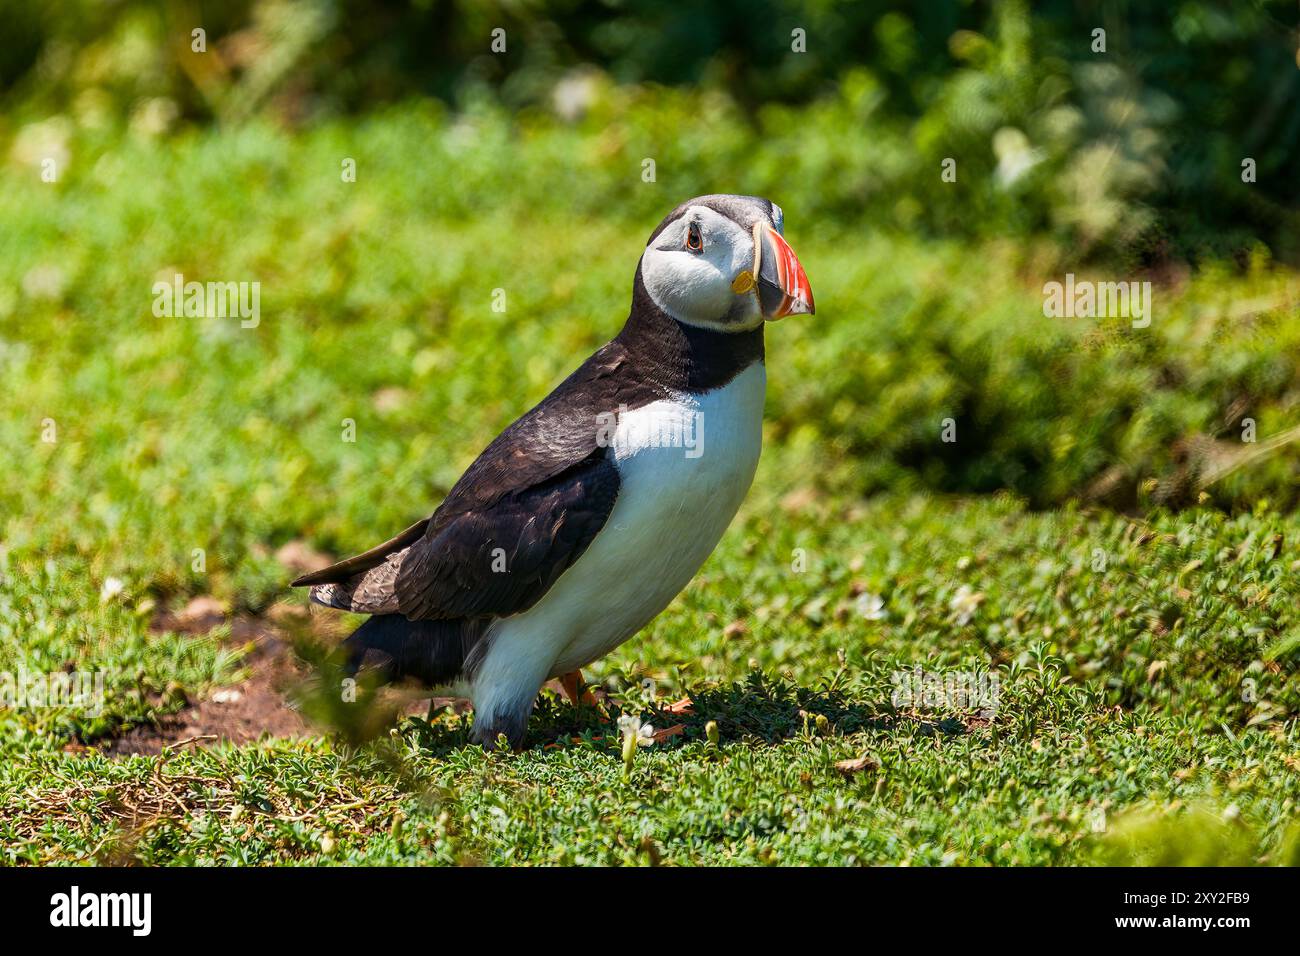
(694, 241)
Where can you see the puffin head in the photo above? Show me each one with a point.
(720, 262)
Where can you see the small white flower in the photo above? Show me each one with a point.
(632, 729)
(111, 589)
(964, 604)
(872, 607)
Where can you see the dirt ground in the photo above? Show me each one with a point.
(257, 706)
(239, 713)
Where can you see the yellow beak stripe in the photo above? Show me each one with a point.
(743, 282)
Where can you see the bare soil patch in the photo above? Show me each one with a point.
(259, 705)
(239, 713)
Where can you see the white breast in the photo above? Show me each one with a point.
(685, 465)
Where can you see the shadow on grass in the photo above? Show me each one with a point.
(758, 710)
(769, 710)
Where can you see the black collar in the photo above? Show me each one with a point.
(684, 357)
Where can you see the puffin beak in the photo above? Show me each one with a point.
(782, 286)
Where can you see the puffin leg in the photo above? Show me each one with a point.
(505, 688)
(487, 731)
(576, 691)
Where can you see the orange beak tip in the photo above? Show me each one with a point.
(786, 290)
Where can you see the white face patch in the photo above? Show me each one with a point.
(695, 287)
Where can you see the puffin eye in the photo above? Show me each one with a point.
(694, 241)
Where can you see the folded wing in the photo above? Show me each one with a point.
(518, 518)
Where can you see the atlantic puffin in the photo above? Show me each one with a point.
(583, 519)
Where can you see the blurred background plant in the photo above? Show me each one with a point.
(1202, 834)
(1132, 153)
(1122, 164)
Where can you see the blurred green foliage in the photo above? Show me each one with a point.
(1196, 835)
(1132, 154)
(385, 283)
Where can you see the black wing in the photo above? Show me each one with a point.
(520, 516)
(502, 560)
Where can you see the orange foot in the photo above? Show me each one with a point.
(577, 693)
(667, 733)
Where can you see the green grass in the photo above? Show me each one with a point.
(1147, 664)
(1084, 725)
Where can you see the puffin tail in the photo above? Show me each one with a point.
(430, 652)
